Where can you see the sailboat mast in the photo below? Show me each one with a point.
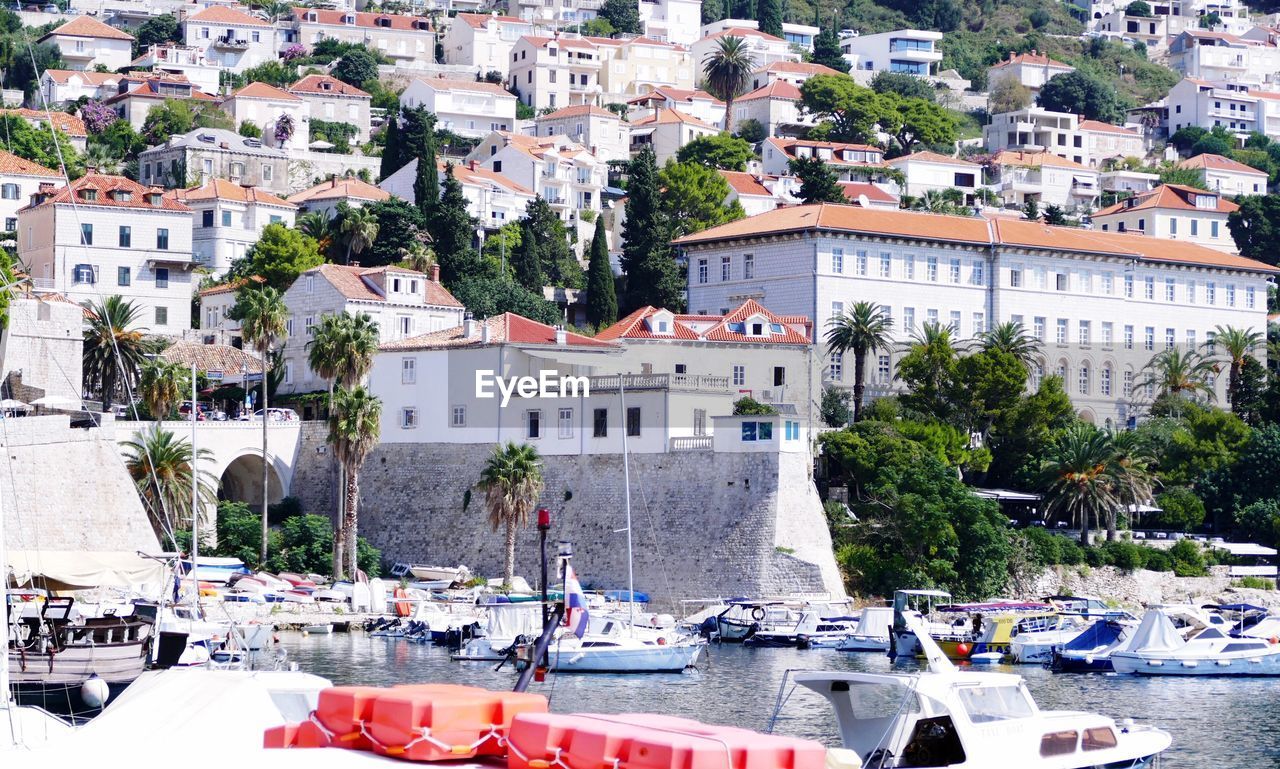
(5, 692)
(626, 496)
(195, 491)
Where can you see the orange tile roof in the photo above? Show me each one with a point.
(221, 189)
(778, 89)
(926, 156)
(1167, 196)
(667, 116)
(147, 90)
(854, 190)
(263, 91)
(539, 41)
(1211, 162)
(724, 331)
(104, 184)
(479, 86)
(474, 173)
(745, 184)
(787, 145)
(221, 14)
(233, 286)
(87, 26)
(799, 68)
(507, 328)
(71, 125)
(1033, 58)
(363, 19)
(1036, 160)
(212, 357)
(315, 84)
(1098, 126)
(92, 78)
(478, 20)
(578, 110)
(743, 32)
(676, 94)
(634, 327)
(353, 283)
(345, 187)
(12, 165)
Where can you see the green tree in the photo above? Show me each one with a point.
(727, 71)
(1178, 374)
(25, 68)
(174, 117)
(1081, 93)
(1139, 9)
(622, 15)
(162, 385)
(354, 427)
(818, 183)
(1020, 435)
(512, 482)
(602, 303)
(984, 386)
(826, 50)
(729, 153)
(1237, 345)
(526, 261)
(391, 156)
(543, 235)
(46, 146)
(1053, 215)
(157, 30)
(652, 275)
(751, 131)
(279, 256)
(903, 85)
(250, 130)
(769, 14)
(114, 347)
(852, 110)
(452, 233)
(1131, 471)
(865, 328)
(927, 370)
(1230, 490)
(694, 198)
(356, 67)
(1008, 95)
(1012, 338)
(1202, 439)
(401, 230)
(1255, 226)
(1180, 509)
(1076, 477)
(359, 228)
(712, 10)
(426, 184)
(487, 296)
(161, 467)
(916, 121)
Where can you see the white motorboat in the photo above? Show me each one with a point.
(810, 632)
(969, 720)
(742, 619)
(1035, 647)
(921, 604)
(505, 624)
(872, 632)
(322, 628)
(1157, 649)
(1090, 651)
(445, 574)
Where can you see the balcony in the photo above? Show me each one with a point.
(695, 382)
(231, 43)
(690, 443)
(80, 55)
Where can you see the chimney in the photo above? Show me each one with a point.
(484, 333)
(468, 326)
(435, 273)
(354, 263)
(562, 337)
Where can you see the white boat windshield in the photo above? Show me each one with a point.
(985, 704)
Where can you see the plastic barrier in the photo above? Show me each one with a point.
(437, 723)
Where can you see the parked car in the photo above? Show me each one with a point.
(277, 415)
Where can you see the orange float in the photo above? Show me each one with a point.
(438, 723)
(403, 608)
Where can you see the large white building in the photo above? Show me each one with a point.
(554, 72)
(637, 65)
(19, 180)
(671, 21)
(1101, 303)
(483, 41)
(87, 43)
(467, 107)
(1031, 70)
(1174, 212)
(1020, 177)
(926, 171)
(227, 219)
(409, 41)
(107, 235)
(763, 47)
(268, 107)
(1227, 176)
(909, 51)
(230, 38)
(666, 132)
(1219, 56)
(601, 131)
(331, 100)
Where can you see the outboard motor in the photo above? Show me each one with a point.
(709, 627)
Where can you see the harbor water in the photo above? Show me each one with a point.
(1216, 723)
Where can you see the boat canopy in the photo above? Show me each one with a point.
(1156, 634)
(626, 596)
(72, 570)
(1099, 634)
(1240, 607)
(995, 606)
(875, 622)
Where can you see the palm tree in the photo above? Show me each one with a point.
(163, 384)
(114, 348)
(354, 426)
(727, 71)
(99, 156)
(417, 256)
(1011, 338)
(359, 229)
(1175, 373)
(317, 226)
(1238, 344)
(864, 328)
(263, 318)
(1131, 463)
(160, 465)
(1077, 476)
(511, 482)
(926, 368)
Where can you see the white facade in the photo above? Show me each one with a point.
(667, 132)
(852, 162)
(1087, 142)
(60, 86)
(1031, 70)
(492, 198)
(265, 106)
(1176, 213)
(639, 65)
(19, 180)
(930, 172)
(483, 41)
(1020, 177)
(1218, 56)
(332, 100)
(409, 41)
(764, 48)
(602, 132)
(229, 38)
(186, 61)
(555, 72)
(228, 219)
(698, 104)
(87, 43)
(471, 109)
(1226, 176)
(671, 21)
(910, 51)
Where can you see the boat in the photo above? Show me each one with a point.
(448, 575)
(967, 719)
(619, 652)
(872, 632)
(221, 571)
(1157, 649)
(810, 632)
(988, 627)
(322, 628)
(915, 603)
(742, 619)
(1090, 651)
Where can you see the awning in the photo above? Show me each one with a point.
(569, 358)
(72, 570)
(641, 132)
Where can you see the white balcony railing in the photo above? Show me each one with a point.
(691, 443)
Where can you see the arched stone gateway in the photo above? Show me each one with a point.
(1086, 415)
(242, 481)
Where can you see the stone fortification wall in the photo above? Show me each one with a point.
(704, 524)
(314, 479)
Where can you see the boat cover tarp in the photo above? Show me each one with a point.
(875, 622)
(1156, 634)
(623, 596)
(71, 570)
(1097, 635)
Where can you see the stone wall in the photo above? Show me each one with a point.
(314, 479)
(705, 524)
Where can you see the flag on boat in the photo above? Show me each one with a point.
(575, 603)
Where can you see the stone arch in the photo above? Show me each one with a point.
(1087, 416)
(241, 480)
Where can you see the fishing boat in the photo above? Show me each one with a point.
(984, 628)
(968, 720)
(810, 632)
(871, 633)
(1157, 649)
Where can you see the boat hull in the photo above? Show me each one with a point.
(857, 643)
(1235, 666)
(1089, 664)
(734, 632)
(63, 699)
(657, 659)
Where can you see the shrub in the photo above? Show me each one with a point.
(1159, 560)
(1181, 509)
(1125, 556)
(1188, 560)
(1255, 583)
(748, 406)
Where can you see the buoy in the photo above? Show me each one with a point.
(1274, 640)
(962, 650)
(305, 634)
(662, 641)
(95, 691)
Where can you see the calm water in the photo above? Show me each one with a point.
(1219, 723)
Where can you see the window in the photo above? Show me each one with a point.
(955, 321)
(86, 234)
(1040, 273)
(408, 418)
(1213, 229)
(633, 421)
(1128, 384)
(1191, 292)
(288, 328)
(564, 423)
(699, 421)
(1104, 380)
(884, 371)
(886, 264)
(726, 267)
(1173, 227)
(405, 323)
(861, 262)
(162, 239)
(837, 260)
(10, 224)
(909, 318)
(931, 268)
(206, 218)
(162, 316)
(1170, 289)
(955, 270)
(978, 276)
(779, 376)
(123, 276)
(309, 325)
(84, 273)
(1170, 337)
(1149, 338)
(791, 430)
(408, 371)
(757, 431)
(1149, 287)
(226, 218)
(739, 376)
(1128, 286)
(9, 191)
(1211, 341)
(268, 172)
(1085, 327)
(702, 270)
(1063, 327)
(1250, 297)
(1128, 337)
(748, 266)
(288, 372)
(1060, 281)
(1211, 293)
(909, 261)
(126, 236)
(1015, 278)
(837, 309)
(835, 367)
(979, 323)
(1038, 328)
(1083, 380)
(1231, 295)
(1195, 227)
(533, 424)
(1108, 283)
(1191, 339)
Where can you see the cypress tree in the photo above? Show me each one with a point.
(826, 50)
(769, 14)
(426, 183)
(526, 262)
(602, 303)
(652, 275)
(391, 151)
(451, 230)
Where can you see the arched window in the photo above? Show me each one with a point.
(1084, 379)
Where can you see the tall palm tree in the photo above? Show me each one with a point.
(160, 465)
(1131, 462)
(354, 426)
(1238, 344)
(263, 318)
(114, 347)
(417, 256)
(316, 225)
(1011, 338)
(359, 229)
(163, 385)
(862, 329)
(1077, 476)
(1177, 373)
(99, 156)
(727, 71)
(511, 482)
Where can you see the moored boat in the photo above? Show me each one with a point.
(1157, 649)
(871, 633)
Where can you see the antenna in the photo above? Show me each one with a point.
(863, 200)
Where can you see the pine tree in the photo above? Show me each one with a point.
(712, 11)
(602, 302)
(769, 13)
(391, 152)
(451, 230)
(652, 275)
(743, 9)
(526, 262)
(426, 183)
(826, 50)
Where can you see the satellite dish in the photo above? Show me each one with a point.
(863, 200)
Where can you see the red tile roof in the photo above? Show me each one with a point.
(368, 20)
(1211, 162)
(316, 84)
(724, 331)
(479, 86)
(105, 184)
(743, 32)
(221, 189)
(340, 189)
(12, 165)
(1100, 127)
(1167, 196)
(669, 116)
(93, 78)
(212, 357)
(854, 190)
(745, 184)
(778, 89)
(1033, 58)
(715, 328)
(232, 286)
(507, 328)
(634, 327)
(798, 68)
(70, 125)
(926, 156)
(263, 91)
(473, 173)
(220, 14)
(356, 283)
(578, 110)
(479, 20)
(538, 41)
(1036, 160)
(676, 94)
(87, 26)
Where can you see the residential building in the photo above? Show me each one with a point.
(927, 171)
(136, 94)
(760, 193)
(186, 61)
(19, 180)
(1129, 181)
(1101, 303)
(469, 108)
(105, 235)
(276, 112)
(61, 86)
(671, 21)
(801, 35)
(492, 198)
(216, 324)
(326, 195)
(601, 131)
(483, 41)
(87, 43)
(911, 51)
(1218, 56)
(410, 41)
(404, 303)
(227, 219)
(1105, 141)
(1034, 129)
(1152, 31)
(230, 38)
(1050, 180)
(698, 104)
(764, 48)
(333, 101)
(862, 194)
(551, 72)
(853, 162)
(750, 192)
(1195, 102)
(70, 125)
(200, 156)
(1173, 212)
(1226, 176)
(638, 65)
(1032, 70)
(666, 132)
(793, 72)
(776, 107)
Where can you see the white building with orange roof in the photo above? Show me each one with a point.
(410, 41)
(227, 219)
(637, 65)
(1174, 212)
(493, 199)
(204, 154)
(793, 72)
(60, 86)
(908, 51)
(775, 106)
(216, 324)
(1152, 30)
(70, 125)
(763, 47)
(326, 195)
(136, 94)
(866, 195)
(1226, 176)
(87, 43)
(230, 38)
(469, 108)
(554, 72)
(108, 235)
(186, 60)
(270, 108)
(927, 171)
(1219, 56)
(671, 21)
(483, 40)
(332, 100)
(1035, 129)
(1105, 141)
(666, 132)
(1102, 304)
(603, 132)
(404, 303)
(696, 103)
(1235, 106)
(1032, 70)
(1017, 177)
(19, 180)
(853, 162)
(749, 191)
